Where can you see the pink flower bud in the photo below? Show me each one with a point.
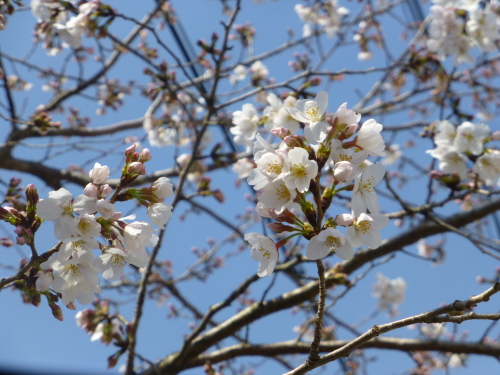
(343, 171)
(281, 132)
(129, 152)
(71, 306)
(90, 190)
(99, 174)
(145, 155)
(136, 168)
(351, 129)
(495, 136)
(31, 194)
(105, 190)
(20, 240)
(19, 229)
(344, 220)
(480, 279)
(290, 141)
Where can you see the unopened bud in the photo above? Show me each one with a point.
(351, 129)
(130, 151)
(281, 132)
(280, 228)
(495, 136)
(56, 311)
(71, 306)
(31, 195)
(344, 220)
(21, 240)
(343, 171)
(480, 279)
(35, 299)
(105, 190)
(292, 141)
(145, 155)
(136, 167)
(91, 190)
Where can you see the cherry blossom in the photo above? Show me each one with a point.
(449, 160)
(369, 138)
(470, 137)
(364, 230)
(302, 170)
(105, 208)
(86, 226)
(162, 188)
(311, 113)
(346, 154)
(78, 247)
(487, 167)
(276, 195)
(246, 122)
(363, 194)
(159, 214)
(263, 251)
(446, 132)
(278, 116)
(99, 174)
(112, 263)
(327, 240)
(390, 293)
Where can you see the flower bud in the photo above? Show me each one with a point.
(71, 306)
(351, 129)
(344, 220)
(90, 190)
(31, 195)
(145, 155)
(281, 132)
(280, 228)
(99, 174)
(19, 229)
(136, 167)
(21, 240)
(35, 299)
(105, 190)
(56, 311)
(162, 188)
(130, 151)
(343, 171)
(480, 279)
(495, 136)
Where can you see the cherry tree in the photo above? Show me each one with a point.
(138, 143)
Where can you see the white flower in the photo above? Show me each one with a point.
(346, 116)
(259, 71)
(273, 165)
(363, 194)
(346, 154)
(311, 113)
(390, 293)
(482, 26)
(160, 214)
(246, 122)
(44, 281)
(487, 167)
(99, 174)
(364, 230)
(369, 138)
(162, 188)
(449, 160)
(78, 247)
(105, 208)
(302, 170)
(59, 207)
(112, 263)
(446, 133)
(470, 137)
(86, 226)
(137, 236)
(243, 167)
(277, 115)
(433, 330)
(276, 195)
(76, 279)
(70, 33)
(343, 171)
(327, 240)
(240, 74)
(101, 331)
(263, 251)
(261, 147)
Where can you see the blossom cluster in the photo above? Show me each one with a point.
(79, 222)
(456, 147)
(457, 26)
(301, 165)
(327, 15)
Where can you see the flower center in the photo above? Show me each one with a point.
(364, 226)
(332, 242)
(67, 208)
(312, 110)
(299, 170)
(265, 253)
(367, 185)
(273, 168)
(84, 225)
(117, 261)
(282, 192)
(78, 245)
(345, 157)
(72, 270)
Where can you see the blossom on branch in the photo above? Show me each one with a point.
(263, 251)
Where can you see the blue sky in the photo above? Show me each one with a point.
(33, 340)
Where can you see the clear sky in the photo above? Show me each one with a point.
(32, 340)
